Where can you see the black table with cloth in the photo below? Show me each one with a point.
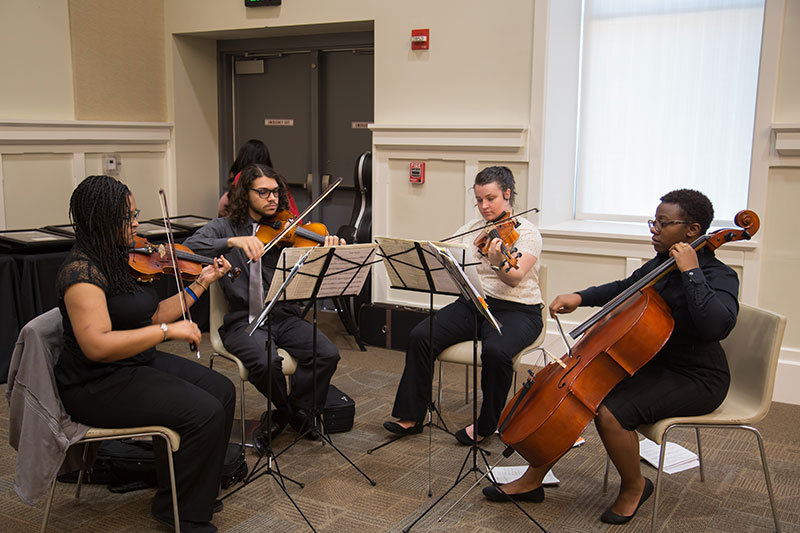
(28, 289)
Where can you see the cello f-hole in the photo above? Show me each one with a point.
(561, 382)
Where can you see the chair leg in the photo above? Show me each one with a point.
(241, 413)
(439, 393)
(699, 454)
(175, 516)
(661, 456)
(767, 479)
(48, 505)
(83, 469)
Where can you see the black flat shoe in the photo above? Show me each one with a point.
(397, 429)
(492, 493)
(186, 526)
(262, 435)
(610, 517)
(466, 440)
(303, 423)
(218, 506)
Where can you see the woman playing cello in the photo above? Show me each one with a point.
(688, 377)
(513, 296)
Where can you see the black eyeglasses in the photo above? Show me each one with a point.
(658, 225)
(132, 216)
(266, 193)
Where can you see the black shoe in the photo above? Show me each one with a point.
(261, 433)
(397, 429)
(218, 505)
(610, 517)
(186, 525)
(304, 424)
(492, 493)
(466, 440)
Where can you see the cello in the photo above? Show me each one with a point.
(551, 410)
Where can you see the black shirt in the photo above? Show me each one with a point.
(126, 310)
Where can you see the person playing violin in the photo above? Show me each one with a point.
(514, 298)
(109, 372)
(260, 194)
(688, 377)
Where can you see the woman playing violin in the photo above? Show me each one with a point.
(514, 298)
(688, 377)
(259, 196)
(110, 373)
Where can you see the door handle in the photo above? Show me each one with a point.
(326, 181)
(309, 186)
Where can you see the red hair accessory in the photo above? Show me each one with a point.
(236, 178)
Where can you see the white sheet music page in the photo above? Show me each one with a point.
(676, 459)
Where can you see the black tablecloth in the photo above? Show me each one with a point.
(28, 289)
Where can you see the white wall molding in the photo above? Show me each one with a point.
(451, 138)
(34, 132)
(786, 145)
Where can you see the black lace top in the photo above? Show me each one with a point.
(127, 311)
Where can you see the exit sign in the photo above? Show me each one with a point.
(256, 3)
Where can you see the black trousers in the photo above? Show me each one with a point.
(452, 324)
(177, 393)
(294, 335)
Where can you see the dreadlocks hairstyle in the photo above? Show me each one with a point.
(239, 202)
(502, 176)
(695, 205)
(99, 210)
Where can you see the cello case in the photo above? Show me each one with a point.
(359, 229)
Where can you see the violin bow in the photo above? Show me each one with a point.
(187, 315)
(298, 218)
(534, 209)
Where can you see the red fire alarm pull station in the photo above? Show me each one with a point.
(417, 174)
(420, 39)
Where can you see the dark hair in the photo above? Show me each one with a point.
(502, 176)
(99, 210)
(695, 205)
(253, 151)
(239, 202)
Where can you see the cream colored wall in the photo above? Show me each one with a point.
(35, 61)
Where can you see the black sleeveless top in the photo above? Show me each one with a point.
(127, 311)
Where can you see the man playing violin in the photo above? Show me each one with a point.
(260, 194)
(109, 373)
(688, 377)
(514, 298)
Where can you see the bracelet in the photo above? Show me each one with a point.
(191, 293)
(204, 287)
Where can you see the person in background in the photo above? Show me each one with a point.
(253, 151)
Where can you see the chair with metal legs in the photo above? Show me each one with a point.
(218, 309)
(461, 353)
(752, 349)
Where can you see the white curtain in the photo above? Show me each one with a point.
(668, 92)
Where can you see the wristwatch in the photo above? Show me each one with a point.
(164, 328)
(495, 268)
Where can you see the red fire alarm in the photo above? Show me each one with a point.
(417, 173)
(420, 39)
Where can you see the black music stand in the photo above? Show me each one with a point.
(411, 265)
(328, 272)
(480, 308)
(267, 451)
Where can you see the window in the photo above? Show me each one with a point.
(667, 93)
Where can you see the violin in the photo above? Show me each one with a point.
(147, 261)
(506, 231)
(543, 419)
(301, 236)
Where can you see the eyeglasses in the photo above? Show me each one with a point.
(132, 216)
(266, 193)
(658, 225)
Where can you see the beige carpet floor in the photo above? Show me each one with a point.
(336, 498)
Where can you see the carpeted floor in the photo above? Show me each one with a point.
(337, 498)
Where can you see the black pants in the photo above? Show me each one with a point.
(294, 335)
(196, 402)
(453, 324)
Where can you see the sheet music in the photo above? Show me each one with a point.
(676, 459)
(345, 275)
(405, 270)
(465, 286)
